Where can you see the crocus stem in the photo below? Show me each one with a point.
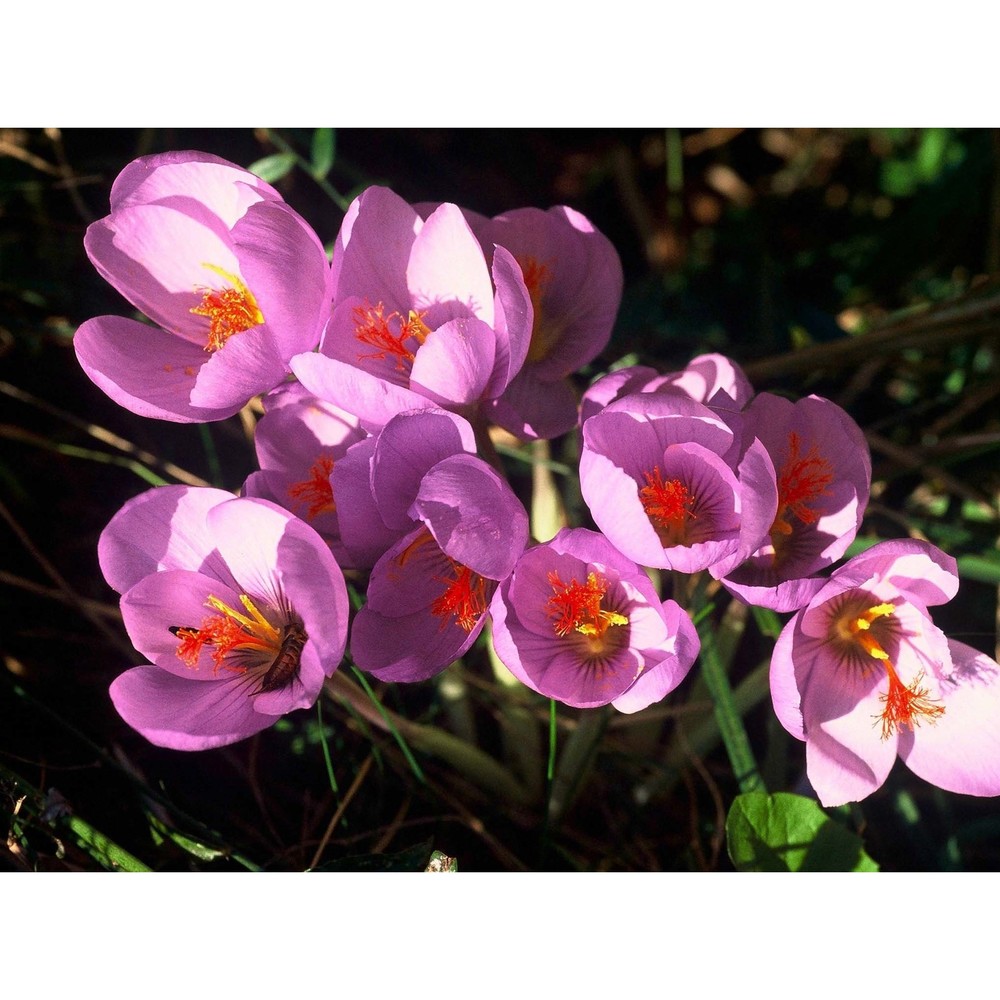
(103, 850)
(734, 734)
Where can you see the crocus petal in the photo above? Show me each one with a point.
(455, 362)
(960, 750)
(512, 322)
(164, 528)
(172, 712)
(446, 274)
(190, 176)
(373, 400)
(473, 515)
(377, 237)
(530, 408)
(409, 446)
(156, 257)
(364, 534)
(839, 775)
(409, 647)
(247, 364)
(161, 603)
(284, 263)
(145, 369)
(662, 674)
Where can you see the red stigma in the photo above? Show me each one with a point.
(801, 481)
(464, 598)
(667, 504)
(373, 327)
(316, 490)
(229, 310)
(577, 606)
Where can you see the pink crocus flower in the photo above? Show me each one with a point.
(712, 379)
(234, 281)
(419, 319)
(574, 277)
(665, 480)
(239, 606)
(299, 441)
(378, 479)
(862, 675)
(823, 472)
(579, 622)
(428, 595)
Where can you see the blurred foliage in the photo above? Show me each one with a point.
(860, 264)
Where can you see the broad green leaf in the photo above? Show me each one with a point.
(273, 168)
(323, 152)
(784, 832)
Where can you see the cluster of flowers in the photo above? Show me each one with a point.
(383, 371)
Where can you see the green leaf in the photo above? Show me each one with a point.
(784, 832)
(273, 168)
(160, 832)
(323, 152)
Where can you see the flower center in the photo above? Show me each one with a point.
(463, 599)
(576, 607)
(389, 334)
(905, 704)
(801, 481)
(229, 310)
(543, 333)
(243, 643)
(668, 506)
(315, 491)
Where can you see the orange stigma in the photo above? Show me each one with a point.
(464, 598)
(577, 607)
(536, 279)
(228, 632)
(905, 704)
(229, 310)
(373, 327)
(667, 505)
(316, 490)
(800, 482)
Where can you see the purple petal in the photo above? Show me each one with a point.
(960, 750)
(473, 515)
(373, 400)
(454, 364)
(145, 369)
(377, 236)
(193, 177)
(176, 713)
(164, 528)
(409, 446)
(285, 266)
(363, 533)
(513, 320)
(446, 273)
(247, 364)
(530, 408)
(156, 257)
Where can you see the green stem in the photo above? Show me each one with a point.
(103, 850)
(734, 734)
